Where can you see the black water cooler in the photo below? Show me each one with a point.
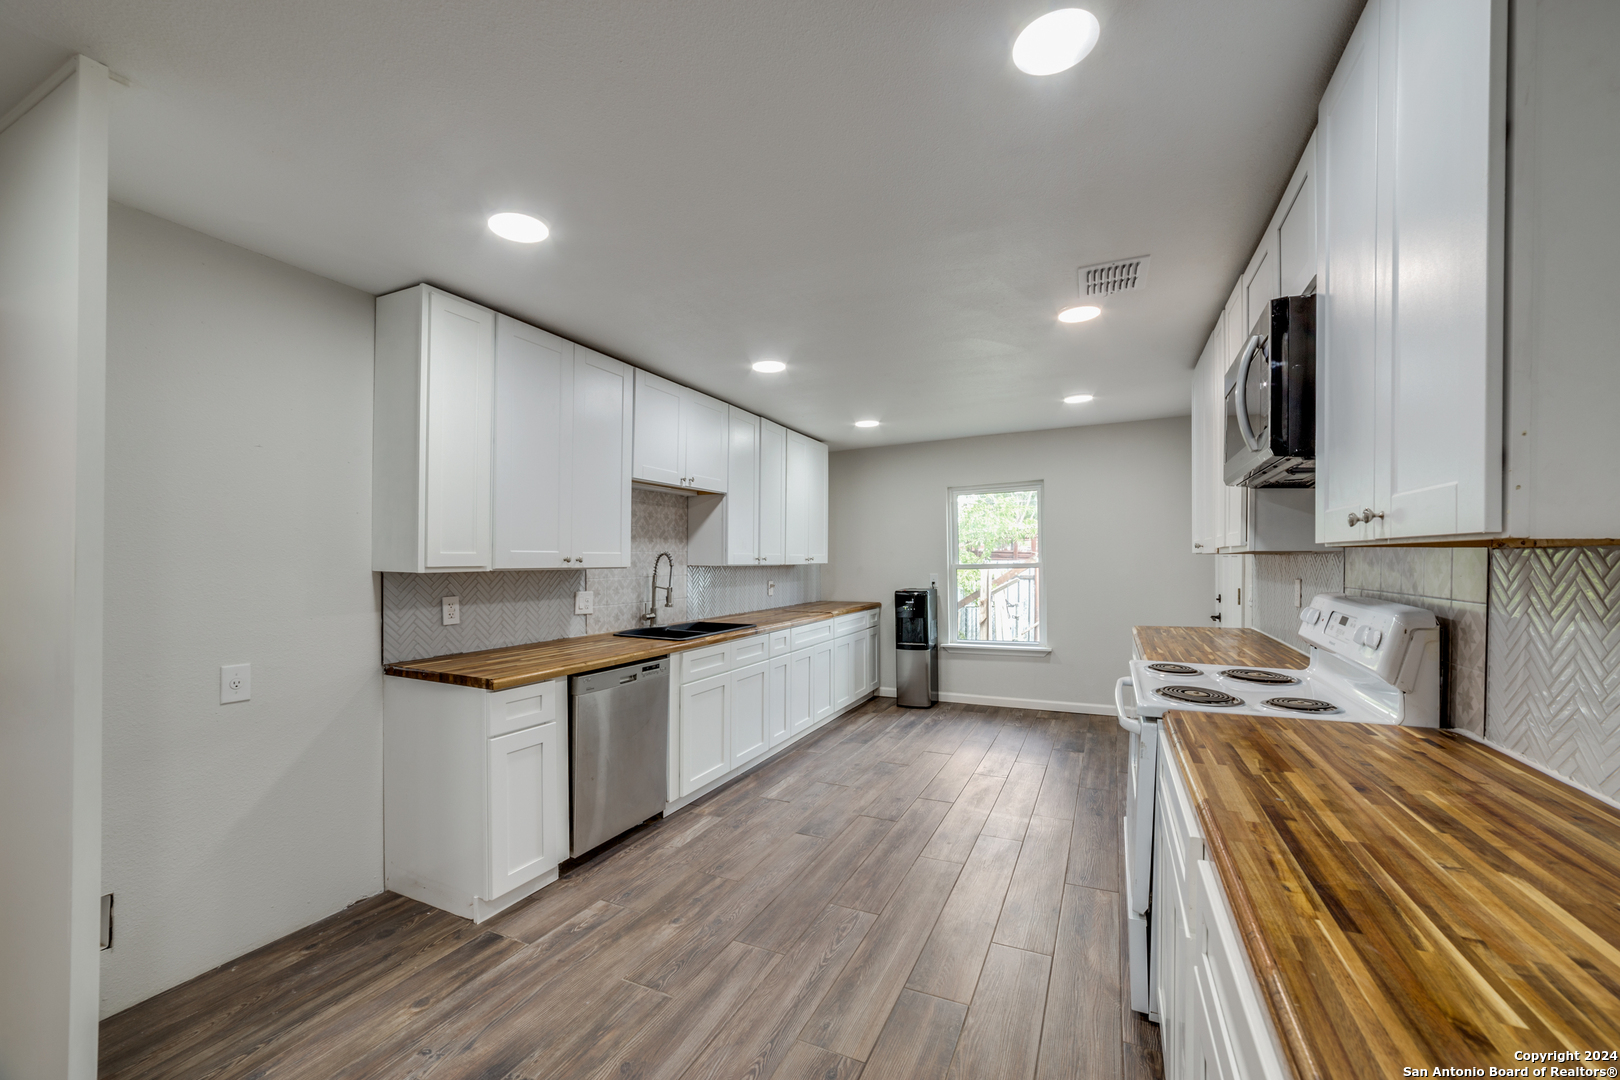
(916, 647)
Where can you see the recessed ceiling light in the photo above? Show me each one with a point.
(1079, 313)
(519, 228)
(769, 367)
(1077, 399)
(1056, 41)
(866, 423)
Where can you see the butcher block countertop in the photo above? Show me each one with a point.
(1212, 645)
(519, 665)
(1409, 898)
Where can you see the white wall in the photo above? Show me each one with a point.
(238, 524)
(1116, 530)
(53, 294)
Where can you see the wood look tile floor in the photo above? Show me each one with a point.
(906, 894)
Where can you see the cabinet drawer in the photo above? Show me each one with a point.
(811, 633)
(749, 650)
(848, 624)
(781, 642)
(701, 663)
(526, 706)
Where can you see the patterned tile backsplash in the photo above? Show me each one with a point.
(515, 607)
(1272, 609)
(1554, 689)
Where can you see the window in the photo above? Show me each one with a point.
(995, 572)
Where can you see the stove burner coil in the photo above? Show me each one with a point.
(1259, 675)
(1198, 695)
(1301, 704)
(1173, 669)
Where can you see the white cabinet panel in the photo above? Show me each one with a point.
(801, 697)
(844, 650)
(862, 656)
(599, 468)
(534, 377)
(1296, 233)
(821, 681)
(705, 442)
(703, 752)
(742, 490)
(750, 709)
(1348, 227)
(806, 516)
(527, 836)
(1208, 487)
(777, 691)
(772, 500)
(1235, 532)
(657, 453)
(460, 373)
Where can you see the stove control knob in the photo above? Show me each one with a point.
(1310, 616)
(1369, 636)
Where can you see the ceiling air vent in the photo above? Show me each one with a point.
(1106, 279)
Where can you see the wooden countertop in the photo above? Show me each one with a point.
(519, 665)
(1212, 645)
(1409, 898)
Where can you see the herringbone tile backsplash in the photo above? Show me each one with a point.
(1553, 686)
(516, 607)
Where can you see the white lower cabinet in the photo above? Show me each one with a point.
(740, 700)
(475, 792)
(1213, 1022)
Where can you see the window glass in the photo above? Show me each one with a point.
(996, 595)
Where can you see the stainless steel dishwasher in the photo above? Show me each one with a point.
(619, 737)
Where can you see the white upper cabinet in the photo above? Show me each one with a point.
(772, 493)
(1237, 332)
(1208, 487)
(681, 436)
(431, 459)
(562, 452)
(806, 516)
(599, 472)
(742, 494)
(496, 445)
(534, 377)
(1410, 202)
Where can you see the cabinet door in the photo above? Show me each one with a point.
(1440, 403)
(1296, 232)
(657, 453)
(750, 709)
(843, 671)
(705, 427)
(703, 751)
(778, 691)
(772, 492)
(1347, 254)
(460, 390)
(1235, 532)
(861, 656)
(742, 490)
(528, 806)
(806, 518)
(1208, 433)
(821, 682)
(599, 471)
(534, 376)
(874, 671)
(801, 694)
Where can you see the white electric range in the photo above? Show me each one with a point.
(1371, 662)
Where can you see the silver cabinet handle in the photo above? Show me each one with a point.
(1354, 520)
(1365, 516)
(1198, 545)
(567, 559)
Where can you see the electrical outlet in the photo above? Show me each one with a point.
(1299, 592)
(452, 610)
(584, 603)
(235, 683)
(770, 588)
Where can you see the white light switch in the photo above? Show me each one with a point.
(452, 610)
(584, 603)
(235, 683)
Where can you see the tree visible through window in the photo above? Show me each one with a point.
(996, 564)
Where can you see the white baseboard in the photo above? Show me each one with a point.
(1016, 703)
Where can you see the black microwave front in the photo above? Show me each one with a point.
(1271, 400)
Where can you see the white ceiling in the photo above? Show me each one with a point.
(869, 192)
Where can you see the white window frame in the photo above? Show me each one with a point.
(949, 639)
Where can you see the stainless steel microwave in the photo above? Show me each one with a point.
(1271, 399)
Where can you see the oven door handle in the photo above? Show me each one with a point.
(1126, 720)
(1241, 392)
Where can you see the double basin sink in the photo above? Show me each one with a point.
(684, 631)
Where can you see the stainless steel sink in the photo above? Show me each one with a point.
(684, 631)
